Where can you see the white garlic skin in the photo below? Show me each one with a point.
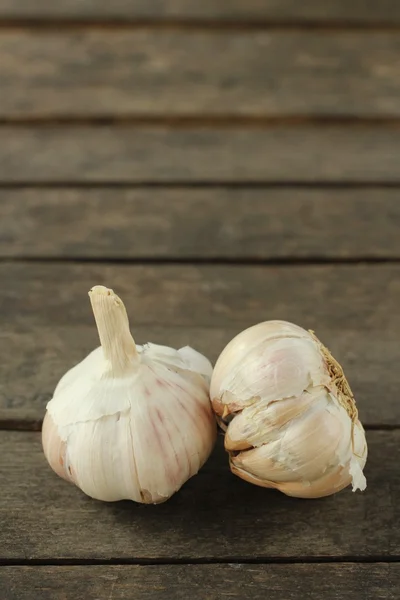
(285, 426)
(136, 426)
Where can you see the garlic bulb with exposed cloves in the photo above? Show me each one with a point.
(130, 422)
(289, 414)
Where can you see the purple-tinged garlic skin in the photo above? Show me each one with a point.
(289, 414)
(130, 422)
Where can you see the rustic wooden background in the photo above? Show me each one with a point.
(216, 163)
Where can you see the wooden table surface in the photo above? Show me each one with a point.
(217, 164)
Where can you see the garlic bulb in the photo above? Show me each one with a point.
(289, 414)
(130, 422)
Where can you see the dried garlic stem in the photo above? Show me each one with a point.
(113, 327)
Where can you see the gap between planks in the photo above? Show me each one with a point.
(196, 184)
(190, 185)
(200, 561)
(202, 121)
(240, 24)
(29, 425)
(290, 261)
(235, 24)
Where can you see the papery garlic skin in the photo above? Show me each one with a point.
(130, 422)
(290, 417)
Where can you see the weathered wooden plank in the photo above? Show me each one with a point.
(343, 581)
(125, 153)
(269, 223)
(47, 325)
(90, 73)
(214, 516)
(361, 11)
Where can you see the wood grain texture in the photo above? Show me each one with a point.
(359, 11)
(91, 73)
(214, 516)
(48, 325)
(160, 154)
(237, 581)
(222, 223)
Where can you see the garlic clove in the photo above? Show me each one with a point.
(179, 439)
(263, 463)
(55, 448)
(332, 482)
(100, 453)
(245, 342)
(259, 423)
(280, 368)
(236, 470)
(130, 422)
(299, 453)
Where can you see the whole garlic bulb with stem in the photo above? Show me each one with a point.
(130, 422)
(289, 414)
